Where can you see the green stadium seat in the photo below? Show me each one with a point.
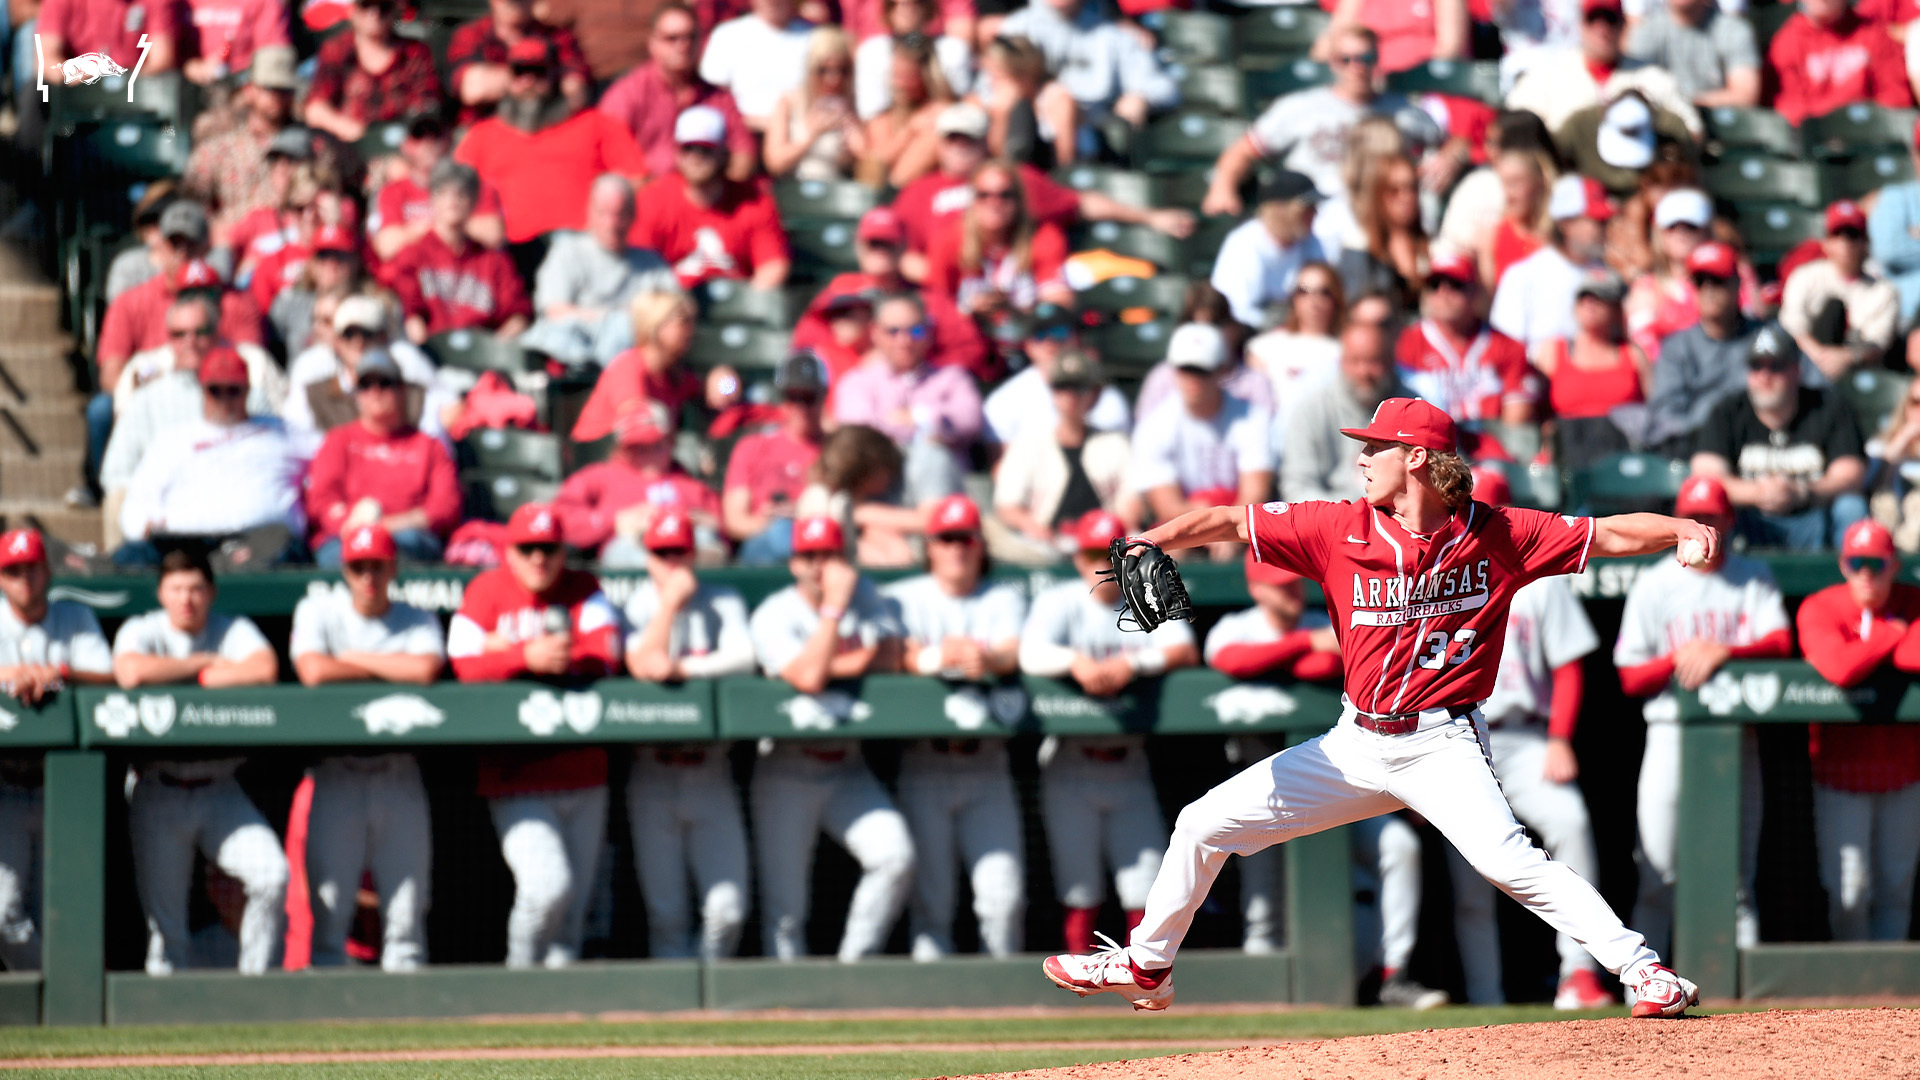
(1479, 79)
(821, 250)
(122, 148)
(477, 351)
(381, 140)
(1731, 128)
(1184, 140)
(823, 200)
(1284, 31)
(1874, 396)
(744, 346)
(1135, 188)
(1222, 89)
(500, 451)
(1765, 180)
(724, 300)
(1867, 173)
(1137, 241)
(1164, 294)
(1623, 483)
(1131, 348)
(1202, 249)
(1195, 37)
(1771, 231)
(1536, 486)
(1856, 129)
(1265, 84)
(1183, 189)
(495, 496)
(1767, 20)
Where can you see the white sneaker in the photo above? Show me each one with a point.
(1110, 971)
(1658, 993)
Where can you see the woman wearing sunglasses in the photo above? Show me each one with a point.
(813, 133)
(994, 259)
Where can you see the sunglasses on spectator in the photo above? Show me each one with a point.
(673, 38)
(1606, 16)
(191, 332)
(17, 570)
(382, 6)
(1708, 281)
(953, 538)
(1867, 564)
(180, 243)
(707, 149)
(916, 331)
(1320, 292)
(1051, 333)
(835, 68)
(1441, 281)
(1367, 59)
(360, 567)
(672, 553)
(530, 550)
(535, 70)
(993, 193)
(1775, 365)
(802, 397)
(376, 382)
(813, 556)
(1848, 233)
(360, 332)
(223, 392)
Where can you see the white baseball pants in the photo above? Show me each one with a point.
(370, 814)
(20, 816)
(551, 842)
(1557, 815)
(167, 822)
(1869, 844)
(1100, 814)
(963, 813)
(1347, 775)
(684, 811)
(795, 799)
(1659, 812)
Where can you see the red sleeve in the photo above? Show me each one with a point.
(1906, 656)
(1890, 86)
(1319, 667)
(52, 22)
(1291, 535)
(619, 382)
(1648, 679)
(943, 262)
(1252, 660)
(272, 24)
(329, 73)
(957, 340)
(467, 46)
(404, 279)
(240, 319)
(1772, 647)
(1549, 544)
(1049, 254)
(1839, 658)
(488, 204)
(766, 237)
(1569, 689)
(116, 332)
(444, 501)
(1408, 347)
(1049, 202)
(1790, 97)
(581, 524)
(491, 667)
(506, 282)
(473, 149)
(915, 207)
(1518, 380)
(326, 484)
(618, 152)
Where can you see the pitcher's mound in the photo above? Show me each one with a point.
(1803, 1044)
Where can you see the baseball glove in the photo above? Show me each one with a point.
(1149, 583)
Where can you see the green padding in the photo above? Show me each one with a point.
(1861, 969)
(381, 714)
(1792, 692)
(1059, 708)
(19, 998)
(48, 725)
(363, 994)
(1201, 701)
(876, 707)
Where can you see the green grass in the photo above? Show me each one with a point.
(861, 1067)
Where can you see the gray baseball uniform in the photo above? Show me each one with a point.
(180, 804)
(70, 635)
(682, 804)
(804, 788)
(1096, 794)
(1668, 606)
(369, 811)
(958, 793)
(1546, 629)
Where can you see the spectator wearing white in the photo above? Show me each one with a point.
(1107, 68)
(587, 279)
(1841, 313)
(1534, 301)
(1893, 230)
(813, 132)
(758, 57)
(1260, 258)
(873, 59)
(1478, 203)
(1304, 350)
(1025, 402)
(192, 329)
(1205, 447)
(1711, 54)
(1051, 477)
(369, 812)
(223, 474)
(180, 806)
(682, 804)
(1318, 462)
(323, 376)
(1560, 82)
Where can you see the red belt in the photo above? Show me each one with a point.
(954, 746)
(1108, 754)
(830, 757)
(1402, 723)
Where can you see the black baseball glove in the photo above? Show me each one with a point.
(1149, 583)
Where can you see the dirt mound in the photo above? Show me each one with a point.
(1803, 1044)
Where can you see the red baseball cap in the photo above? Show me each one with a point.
(367, 542)
(882, 224)
(224, 367)
(533, 523)
(1576, 196)
(1845, 214)
(1266, 573)
(1097, 530)
(1587, 7)
(22, 546)
(670, 530)
(1411, 421)
(1454, 266)
(530, 50)
(1490, 486)
(198, 275)
(1702, 496)
(817, 534)
(1714, 259)
(334, 238)
(955, 513)
(1868, 537)
(642, 422)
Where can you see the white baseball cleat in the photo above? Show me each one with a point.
(1660, 994)
(1581, 990)
(1109, 971)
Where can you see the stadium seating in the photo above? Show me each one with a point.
(1858, 128)
(1195, 37)
(1873, 395)
(478, 351)
(1764, 179)
(534, 455)
(1625, 483)
(1731, 128)
(1287, 30)
(1479, 80)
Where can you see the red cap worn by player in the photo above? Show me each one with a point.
(333, 238)
(368, 542)
(1454, 266)
(224, 367)
(1846, 214)
(1266, 573)
(533, 523)
(818, 535)
(21, 546)
(1868, 539)
(670, 530)
(955, 513)
(1097, 530)
(1702, 496)
(881, 225)
(1713, 259)
(1408, 420)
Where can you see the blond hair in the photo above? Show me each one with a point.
(823, 44)
(1451, 477)
(973, 246)
(649, 310)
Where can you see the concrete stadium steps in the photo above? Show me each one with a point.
(43, 430)
(36, 368)
(24, 475)
(53, 517)
(44, 426)
(29, 308)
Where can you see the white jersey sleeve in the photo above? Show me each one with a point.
(141, 635)
(309, 634)
(733, 652)
(1248, 627)
(1566, 634)
(86, 645)
(239, 638)
(1046, 641)
(1002, 614)
(1643, 623)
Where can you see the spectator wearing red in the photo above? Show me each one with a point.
(1452, 358)
(606, 508)
(653, 370)
(647, 100)
(277, 272)
(261, 231)
(69, 28)
(1663, 302)
(880, 245)
(1594, 372)
(479, 54)
(873, 18)
(1866, 777)
(137, 319)
(382, 470)
(218, 38)
(446, 281)
(532, 618)
(705, 225)
(769, 469)
(403, 211)
(370, 76)
(994, 259)
(543, 151)
(1269, 639)
(1827, 57)
(1410, 34)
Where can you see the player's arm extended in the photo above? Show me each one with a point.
(1643, 534)
(1198, 528)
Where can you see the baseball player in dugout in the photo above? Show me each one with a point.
(179, 805)
(958, 792)
(1680, 624)
(682, 803)
(533, 618)
(1530, 719)
(1419, 578)
(369, 811)
(1866, 777)
(1278, 638)
(45, 646)
(1096, 795)
(830, 624)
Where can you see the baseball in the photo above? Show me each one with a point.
(1693, 552)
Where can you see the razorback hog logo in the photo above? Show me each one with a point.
(89, 68)
(21, 544)
(362, 540)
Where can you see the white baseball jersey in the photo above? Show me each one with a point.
(784, 621)
(1068, 615)
(1546, 629)
(1172, 446)
(709, 635)
(68, 634)
(327, 624)
(230, 637)
(1252, 627)
(991, 613)
(1670, 605)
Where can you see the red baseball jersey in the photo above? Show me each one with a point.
(1421, 618)
(731, 239)
(451, 290)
